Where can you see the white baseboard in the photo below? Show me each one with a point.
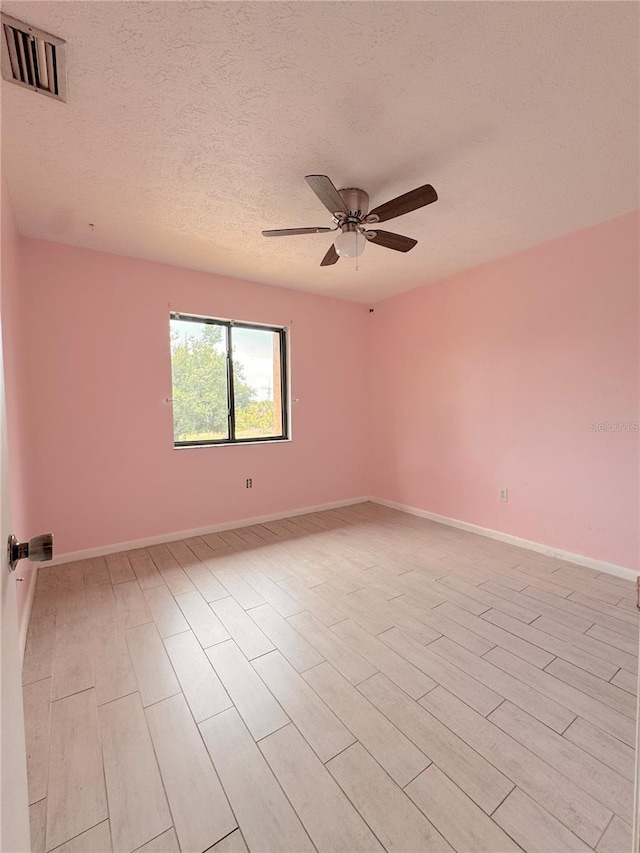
(26, 614)
(568, 556)
(198, 531)
(547, 550)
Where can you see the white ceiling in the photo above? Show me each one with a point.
(190, 127)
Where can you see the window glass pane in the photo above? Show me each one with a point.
(257, 383)
(199, 370)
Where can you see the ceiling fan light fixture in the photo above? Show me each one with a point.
(351, 242)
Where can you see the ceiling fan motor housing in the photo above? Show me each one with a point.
(357, 202)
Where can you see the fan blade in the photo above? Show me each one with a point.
(286, 232)
(323, 187)
(391, 241)
(405, 203)
(330, 258)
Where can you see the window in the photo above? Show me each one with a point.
(229, 381)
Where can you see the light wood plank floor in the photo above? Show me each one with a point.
(351, 680)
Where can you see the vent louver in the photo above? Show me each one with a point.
(33, 59)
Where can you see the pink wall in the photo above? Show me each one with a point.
(492, 378)
(489, 379)
(12, 301)
(103, 468)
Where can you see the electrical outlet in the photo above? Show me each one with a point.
(503, 494)
(249, 483)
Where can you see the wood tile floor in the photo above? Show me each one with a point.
(351, 680)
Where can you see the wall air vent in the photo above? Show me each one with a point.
(34, 59)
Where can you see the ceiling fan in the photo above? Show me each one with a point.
(350, 211)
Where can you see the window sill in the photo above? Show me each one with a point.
(232, 444)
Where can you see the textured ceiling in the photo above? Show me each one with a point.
(190, 127)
